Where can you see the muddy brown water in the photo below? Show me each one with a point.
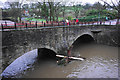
(101, 62)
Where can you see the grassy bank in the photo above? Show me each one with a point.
(44, 20)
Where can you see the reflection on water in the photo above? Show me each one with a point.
(101, 62)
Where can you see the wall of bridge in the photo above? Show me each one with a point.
(17, 42)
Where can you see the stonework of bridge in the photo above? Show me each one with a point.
(57, 39)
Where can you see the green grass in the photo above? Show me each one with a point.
(38, 20)
(91, 18)
(60, 18)
(34, 19)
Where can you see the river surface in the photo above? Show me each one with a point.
(101, 62)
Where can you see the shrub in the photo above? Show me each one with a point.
(91, 12)
(70, 18)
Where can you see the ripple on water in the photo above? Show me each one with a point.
(96, 68)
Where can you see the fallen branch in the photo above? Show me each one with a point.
(75, 58)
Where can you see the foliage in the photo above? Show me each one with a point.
(87, 6)
(57, 11)
(14, 10)
(91, 18)
(70, 18)
(44, 11)
(108, 13)
(35, 19)
(91, 12)
(115, 5)
(76, 10)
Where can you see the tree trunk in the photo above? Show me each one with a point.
(20, 18)
(57, 18)
(50, 7)
(64, 12)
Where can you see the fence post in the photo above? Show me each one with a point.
(110, 23)
(74, 23)
(6, 23)
(100, 22)
(52, 23)
(30, 22)
(104, 23)
(22, 23)
(2, 26)
(117, 22)
(81, 23)
(69, 23)
(26, 25)
(58, 23)
(44, 24)
(47, 22)
(97, 22)
(36, 24)
(15, 25)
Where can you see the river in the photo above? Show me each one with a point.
(101, 62)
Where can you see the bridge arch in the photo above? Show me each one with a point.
(86, 38)
(83, 38)
(26, 60)
(45, 53)
(80, 41)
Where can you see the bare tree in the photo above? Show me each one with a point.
(87, 6)
(39, 5)
(114, 5)
(54, 10)
(63, 7)
(51, 8)
(44, 10)
(25, 6)
(15, 10)
(57, 9)
(76, 8)
(98, 6)
(63, 10)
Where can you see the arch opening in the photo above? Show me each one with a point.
(46, 54)
(82, 40)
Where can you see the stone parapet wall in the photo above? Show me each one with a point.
(17, 42)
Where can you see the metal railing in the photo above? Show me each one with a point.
(36, 24)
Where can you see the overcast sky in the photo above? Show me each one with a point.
(83, 1)
(77, 1)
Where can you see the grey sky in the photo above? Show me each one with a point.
(83, 1)
(75, 1)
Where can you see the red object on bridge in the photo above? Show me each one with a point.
(77, 20)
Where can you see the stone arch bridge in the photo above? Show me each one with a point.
(57, 39)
